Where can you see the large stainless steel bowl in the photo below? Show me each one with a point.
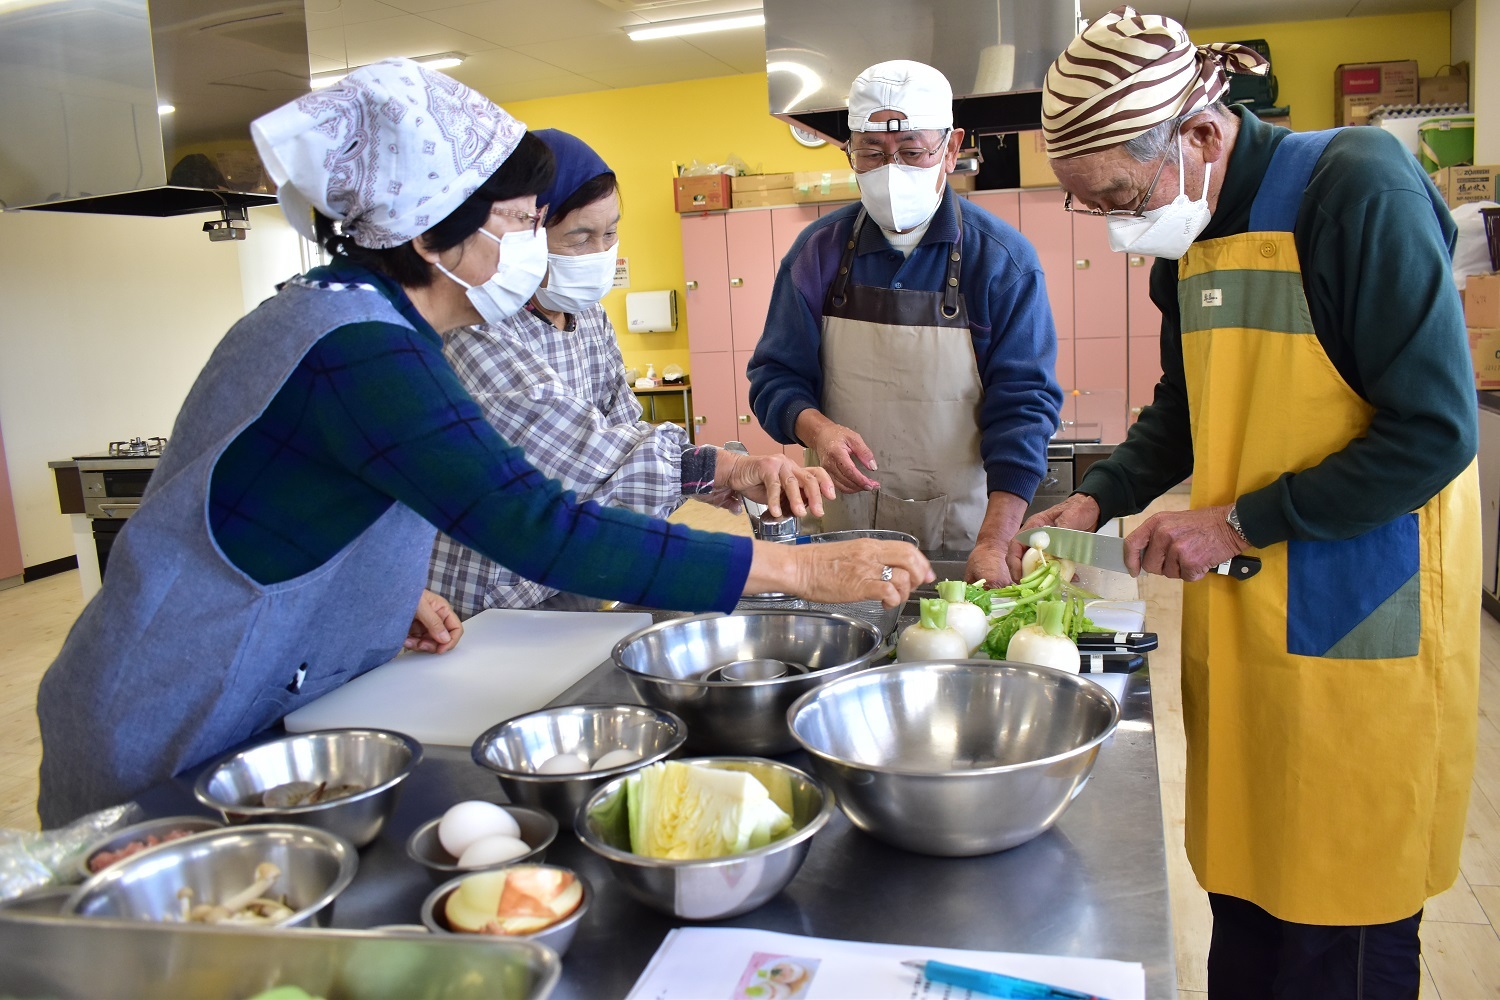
(315, 867)
(714, 888)
(955, 758)
(375, 759)
(515, 749)
(692, 666)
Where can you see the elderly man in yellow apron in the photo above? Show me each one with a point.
(909, 343)
(1316, 385)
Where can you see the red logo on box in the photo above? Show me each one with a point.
(1361, 81)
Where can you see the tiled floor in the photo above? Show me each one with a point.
(1461, 950)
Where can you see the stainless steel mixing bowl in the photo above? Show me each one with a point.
(680, 665)
(513, 750)
(713, 888)
(874, 612)
(376, 759)
(538, 830)
(555, 936)
(141, 833)
(315, 867)
(955, 758)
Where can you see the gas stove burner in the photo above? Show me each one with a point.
(137, 447)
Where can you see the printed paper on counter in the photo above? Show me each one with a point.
(726, 963)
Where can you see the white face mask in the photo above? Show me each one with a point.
(899, 197)
(577, 282)
(523, 264)
(1167, 231)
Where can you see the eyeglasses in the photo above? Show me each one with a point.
(869, 158)
(1124, 213)
(537, 219)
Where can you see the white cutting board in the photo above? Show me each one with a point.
(507, 663)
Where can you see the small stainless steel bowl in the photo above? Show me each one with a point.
(47, 901)
(374, 758)
(679, 665)
(556, 936)
(712, 888)
(139, 833)
(538, 830)
(315, 867)
(955, 758)
(513, 750)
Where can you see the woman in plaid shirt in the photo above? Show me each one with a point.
(551, 380)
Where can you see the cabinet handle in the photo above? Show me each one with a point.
(1081, 265)
(692, 286)
(736, 282)
(1136, 260)
(700, 420)
(744, 418)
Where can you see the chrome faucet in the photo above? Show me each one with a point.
(767, 529)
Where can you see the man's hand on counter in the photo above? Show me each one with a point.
(434, 626)
(987, 562)
(839, 572)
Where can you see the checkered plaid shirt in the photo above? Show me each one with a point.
(561, 396)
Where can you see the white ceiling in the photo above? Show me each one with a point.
(523, 49)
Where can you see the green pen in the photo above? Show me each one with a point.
(995, 984)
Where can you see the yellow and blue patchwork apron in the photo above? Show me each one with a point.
(1330, 702)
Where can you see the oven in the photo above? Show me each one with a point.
(113, 483)
(1067, 461)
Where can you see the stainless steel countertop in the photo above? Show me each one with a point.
(1094, 885)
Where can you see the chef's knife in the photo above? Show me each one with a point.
(1108, 552)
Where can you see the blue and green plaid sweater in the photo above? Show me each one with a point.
(373, 415)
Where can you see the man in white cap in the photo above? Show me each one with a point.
(909, 343)
(1317, 387)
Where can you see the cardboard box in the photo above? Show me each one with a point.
(824, 185)
(1484, 348)
(1462, 185)
(708, 193)
(765, 199)
(1482, 301)
(1450, 89)
(1035, 170)
(963, 183)
(760, 182)
(1358, 87)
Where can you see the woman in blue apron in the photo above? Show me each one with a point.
(282, 544)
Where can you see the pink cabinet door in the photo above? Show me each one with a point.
(713, 397)
(1068, 415)
(786, 225)
(1050, 231)
(1002, 204)
(1145, 335)
(750, 432)
(705, 268)
(752, 269)
(1099, 307)
(1099, 366)
(1143, 318)
(10, 538)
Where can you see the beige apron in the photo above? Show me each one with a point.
(899, 368)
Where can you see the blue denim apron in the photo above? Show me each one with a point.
(181, 655)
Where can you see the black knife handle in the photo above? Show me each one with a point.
(1239, 568)
(1090, 662)
(1116, 642)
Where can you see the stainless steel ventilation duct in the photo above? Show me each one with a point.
(994, 52)
(129, 108)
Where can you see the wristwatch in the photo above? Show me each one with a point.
(1233, 517)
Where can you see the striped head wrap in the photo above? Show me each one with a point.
(1127, 73)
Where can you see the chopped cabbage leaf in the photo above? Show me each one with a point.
(685, 812)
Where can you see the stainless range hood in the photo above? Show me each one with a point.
(85, 92)
(994, 52)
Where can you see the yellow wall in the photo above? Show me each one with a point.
(641, 132)
(1304, 54)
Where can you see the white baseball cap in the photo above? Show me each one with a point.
(920, 94)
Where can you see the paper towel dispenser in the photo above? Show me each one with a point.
(651, 312)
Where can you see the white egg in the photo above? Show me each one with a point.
(563, 763)
(471, 821)
(492, 851)
(615, 758)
